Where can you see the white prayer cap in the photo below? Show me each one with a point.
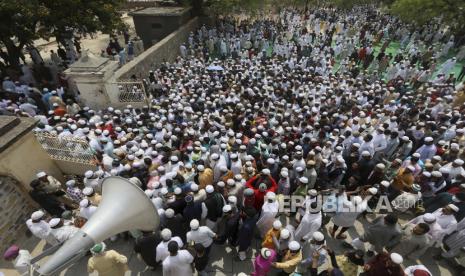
(429, 139)
(385, 183)
(458, 162)
(220, 184)
(37, 215)
(396, 258)
(177, 191)
(270, 161)
(312, 192)
(174, 158)
(201, 168)
(429, 218)
(88, 174)
(265, 253)
(194, 224)
(227, 208)
(41, 174)
(266, 171)
(270, 195)
(149, 192)
(277, 224)
(453, 207)
(194, 187)
(411, 168)
(380, 166)
(373, 191)
(169, 213)
(70, 183)
(318, 236)
(294, 246)
(405, 138)
(223, 168)
(284, 173)
(87, 191)
(284, 233)
(215, 156)
(416, 155)
(444, 170)
(230, 182)
(299, 169)
(416, 187)
(366, 153)
(164, 191)
(303, 179)
(437, 158)
(427, 174)
(166, 233)
(357, 145)
(436, 174)
(209, 189)
(54, 222)
(84, 203)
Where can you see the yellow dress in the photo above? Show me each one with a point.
(110, 263)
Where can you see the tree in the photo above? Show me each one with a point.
(23, 21)
(423, 11)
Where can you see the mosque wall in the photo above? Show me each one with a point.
(25, 158)
(165, 50)
(15, 208)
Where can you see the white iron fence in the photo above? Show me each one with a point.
(131, 92)
(68, 149)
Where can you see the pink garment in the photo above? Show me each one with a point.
(261, 265)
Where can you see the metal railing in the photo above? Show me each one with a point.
(69, 149)
(131, 92)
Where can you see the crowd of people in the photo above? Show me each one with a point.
(254, 116)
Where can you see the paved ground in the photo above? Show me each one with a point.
(94, 44)
(223, 259)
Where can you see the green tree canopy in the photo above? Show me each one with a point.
(23, 21)
(423, 11)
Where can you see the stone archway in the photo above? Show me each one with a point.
(15, 209)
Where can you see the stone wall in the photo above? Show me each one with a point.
(165, 50)
(15, 209)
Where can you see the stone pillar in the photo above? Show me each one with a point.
(90, 75)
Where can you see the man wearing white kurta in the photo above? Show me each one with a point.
(269, 211)
(309, 224)
(162, 248)
(178, 263)
(40, 228)
(200, 234)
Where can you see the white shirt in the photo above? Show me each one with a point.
(88, 211)
(162, 248)
(203, 235)
(179, 265)
(22, 262)
(64, 233)
(39, 229)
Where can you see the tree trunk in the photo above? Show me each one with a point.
(13, 53)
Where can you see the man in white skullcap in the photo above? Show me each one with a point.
(455, 168)
(60, 231)
(435, 232)
(94, 197)
(200, 234)
(428, 150)
(316, 243)
(291, 258)
(310, 223)
(267, 216)
(162, 247)
(87, 209)
(40, 228)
